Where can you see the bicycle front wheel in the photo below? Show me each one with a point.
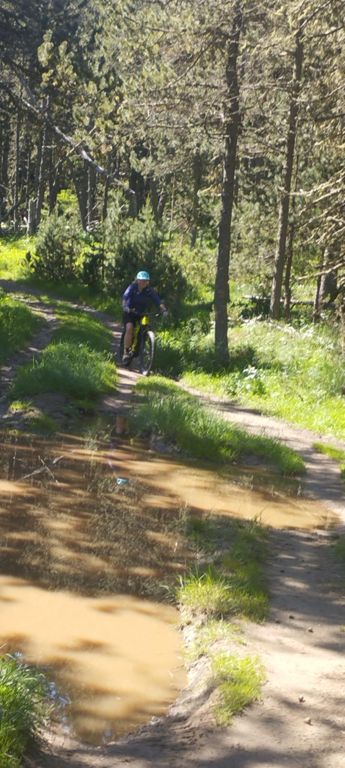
(146, 352)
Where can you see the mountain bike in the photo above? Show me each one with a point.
(143, 345)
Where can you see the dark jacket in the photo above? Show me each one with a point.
(139, 302)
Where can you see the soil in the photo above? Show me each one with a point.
(300, 719)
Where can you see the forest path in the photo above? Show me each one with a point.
(300, 721)
(322, 480)
(114, 403)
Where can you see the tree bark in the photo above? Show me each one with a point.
(197, 180)
(91, 196)
(231, 125)
(41, 183)
(5, 148)
(287, 279)
(285, 194)
(16, 171)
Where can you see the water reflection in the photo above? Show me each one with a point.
(87, 563)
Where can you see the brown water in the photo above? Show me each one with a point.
(85, 564)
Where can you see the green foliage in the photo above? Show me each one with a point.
(17, 325)
(58, 245)
(207, 593)
(78, 327)
(13, 252)
(23, 709)
(290, 371)
(71, 369)
(134, 244)
(202, 434)
(239, 682)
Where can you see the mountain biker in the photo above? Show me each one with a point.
(136, 301)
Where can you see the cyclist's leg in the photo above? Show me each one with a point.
(129, 332)
(130, 320)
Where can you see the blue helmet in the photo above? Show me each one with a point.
(143, 275)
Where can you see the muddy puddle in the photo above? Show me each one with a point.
(92, 542)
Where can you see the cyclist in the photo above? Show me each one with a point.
(136, 301)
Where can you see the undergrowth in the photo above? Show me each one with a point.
(23, 709)
(75, 370)
(292, 371)
(76, 363)
(17, 325)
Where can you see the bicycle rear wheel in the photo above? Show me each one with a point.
(146, 352)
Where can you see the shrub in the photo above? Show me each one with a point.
(134, 244)
(57, 248)
(23, 709)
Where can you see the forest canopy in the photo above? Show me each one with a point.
(205, 139)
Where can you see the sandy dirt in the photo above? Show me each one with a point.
(300, 720)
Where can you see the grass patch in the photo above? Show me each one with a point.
(74, 370)
(211, 634)
(23, 708)
(17, 325)
(334, 453)
(239, 682)
(13, 264)
(181, 418)
(207, 593)
(78, 327)
(236, 585)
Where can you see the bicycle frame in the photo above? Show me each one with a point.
(143, 323)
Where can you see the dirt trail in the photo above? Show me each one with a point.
(300, 722)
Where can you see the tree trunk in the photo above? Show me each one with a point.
(285, 194)
(16, 172)
(316, 307)
(91, 197)
(287, 285)
(197, 180)
(32, 223)
(41, 183)
(80, 185)
(5, 148)
(231, 126)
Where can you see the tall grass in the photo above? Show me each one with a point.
(71, 369)
(23, 709)
(17, 325)
(201, 433)
(296, 373)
